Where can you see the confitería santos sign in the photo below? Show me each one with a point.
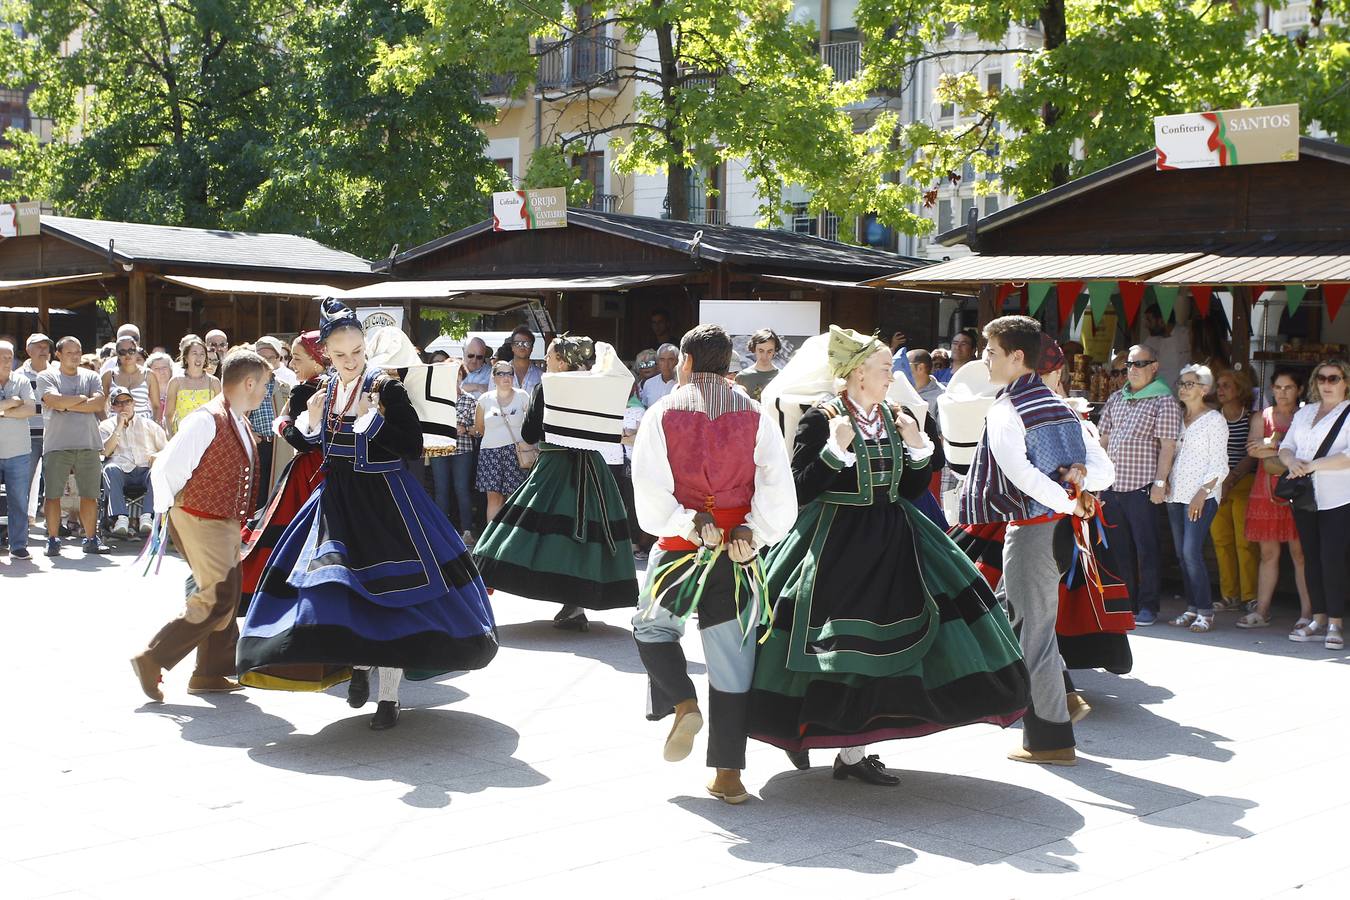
(528, 210)
(1228, 137)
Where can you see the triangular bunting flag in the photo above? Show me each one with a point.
(1003, 291)
(1132, 295)
(1068, 292)
(1293, 296)
(1334, 295)
(1099, 297)
(1201, 294)
(1166, 295)
(1257, 291)
(1037, 291)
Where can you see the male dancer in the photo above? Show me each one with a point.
(205, 479)
(1032, 442)
(707, 469)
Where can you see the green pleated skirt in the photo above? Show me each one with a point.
(562, 536)
(883, 630)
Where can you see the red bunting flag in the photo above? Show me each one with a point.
(1068, 292)
(1132, 295)
(1334, 295)
(1201, 294)
(1004, 290)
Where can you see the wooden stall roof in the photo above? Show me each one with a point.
(22, 284)
(970, 272)
(250, 287)
(1265, 264)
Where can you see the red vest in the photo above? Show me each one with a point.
(224, 483)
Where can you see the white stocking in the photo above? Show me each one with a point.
(389, 679)
(851, 756)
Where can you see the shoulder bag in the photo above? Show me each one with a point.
(1299, 491)
(525, 458)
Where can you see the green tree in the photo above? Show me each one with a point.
(549, 168)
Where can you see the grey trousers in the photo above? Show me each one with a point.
(1030, 591)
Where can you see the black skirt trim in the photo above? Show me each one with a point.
(534, 521)
(568, 590)
(433, 651)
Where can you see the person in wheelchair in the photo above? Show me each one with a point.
(129, 445)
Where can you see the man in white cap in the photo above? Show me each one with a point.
(130, 443)
(216, 344)
(274, 351)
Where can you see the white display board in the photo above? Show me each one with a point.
(793, 320)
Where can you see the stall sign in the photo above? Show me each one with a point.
(19, 219)
(529, 210)
(380, 317)
(1228, 137)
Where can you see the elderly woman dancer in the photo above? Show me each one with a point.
(370, 573)
(563, 537)
(1193, 492)
(883, 629)
(1318, 445)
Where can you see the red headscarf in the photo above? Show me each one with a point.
(1052, 356)
(314, 347)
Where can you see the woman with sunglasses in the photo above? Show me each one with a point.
(133, 376)
(194, 388)
(563, 536)
(498, 420)
(1326, 532)
(1194, 486)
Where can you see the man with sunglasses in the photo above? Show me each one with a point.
(477, 373)
(216, 344)
(526, 375)
(1139, 426)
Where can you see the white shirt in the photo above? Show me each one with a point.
(773, 508)
(1006, 434)
(1202, 456)
(1304, 438)
(496, 432)
(140, 440)
(654, 388)
(179, 459)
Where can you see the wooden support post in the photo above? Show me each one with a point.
(1242, 327)
(989, 310)
(136, 309)
(44, 312)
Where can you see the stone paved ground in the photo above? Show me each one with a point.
(1218, 767)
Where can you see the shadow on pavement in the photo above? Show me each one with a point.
(1123, 727)
(607, 644)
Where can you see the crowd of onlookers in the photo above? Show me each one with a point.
(78, 432)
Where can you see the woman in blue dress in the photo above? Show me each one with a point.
(370, 573)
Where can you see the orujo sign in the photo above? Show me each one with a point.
(528, 210)
(1229, 137)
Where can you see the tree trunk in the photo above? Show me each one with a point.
(1055, 29)
(677, 176)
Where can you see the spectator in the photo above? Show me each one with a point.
(129, 374)
(900, 361)
(1237, 557)
(963, 351)
(477, 372)
(764, 346)
(39, 349)
(661, 330)
(1116, 373)
(90, 361)
(663, 382)
(71, 442)
(217, 343)
(274, 351)
(929, 388)
(455, 472)
(160, 366)
(1171, 343)
(1139, 425)
(525, 375)
(942, 362)
(1196, 480)
(108, 353)
(438, 357)
(1326, 532)
(1271, 523)
(16, 457)
(498, 419)
(260, 420)
(644, 367)
(194, 388)
(130, 442)
(632, 420)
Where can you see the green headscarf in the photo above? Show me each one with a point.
(850, 349)
(576, 350)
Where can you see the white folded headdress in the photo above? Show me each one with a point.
(961, 412)
(432, 388)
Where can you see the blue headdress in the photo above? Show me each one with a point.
(334, 315)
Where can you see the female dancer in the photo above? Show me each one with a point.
(370, 572)
(301, 476)
(194, 388)
(883, 629)
(563, 536)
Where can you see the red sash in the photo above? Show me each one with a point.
(726, 519)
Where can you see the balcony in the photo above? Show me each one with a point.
(498, 92)
(576, 65)
(609, 203)
(845, 58)
(706, 216)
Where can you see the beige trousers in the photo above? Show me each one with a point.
(211, 548)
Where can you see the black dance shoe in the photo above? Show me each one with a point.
(572, 618)
(386, 716)
(869, 769)
(358, 689)
(799, 758)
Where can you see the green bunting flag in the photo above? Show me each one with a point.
(1293, 295)
(1037, 291)
(1166, 295)
(1099, 298)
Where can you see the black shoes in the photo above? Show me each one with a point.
(572, 618)
(358, 689)
(93, 546)
(799, 758)
(53, 547)
(869, 769)
(386, 716)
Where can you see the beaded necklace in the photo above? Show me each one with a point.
(335, 415)
(870, 425)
